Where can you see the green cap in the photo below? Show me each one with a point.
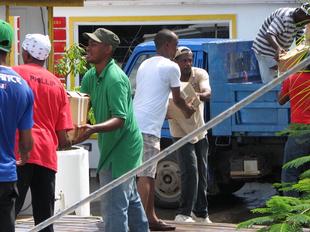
(102, 35)
(6, 36)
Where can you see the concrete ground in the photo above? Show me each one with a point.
(228, 209)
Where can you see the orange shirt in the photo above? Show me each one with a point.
(51, 113)
(297, 87)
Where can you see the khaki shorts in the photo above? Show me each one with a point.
(151, 147)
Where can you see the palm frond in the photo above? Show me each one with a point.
(300, 219)
(255, 221)
(297, 162)
(262, 210)
(285, 227)
(295, 129)
(305, 174)
(303, 185)
(302, 208)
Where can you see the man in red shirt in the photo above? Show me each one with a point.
(52, 119)
(296, 90)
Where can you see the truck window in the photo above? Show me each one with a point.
(133, 72)
(242, 67)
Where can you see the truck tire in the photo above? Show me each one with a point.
(168, 183)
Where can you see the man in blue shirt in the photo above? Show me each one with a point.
(16, 103)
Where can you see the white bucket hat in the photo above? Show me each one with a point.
(37, 45)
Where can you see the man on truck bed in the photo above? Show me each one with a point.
(193, 156)
(276, 35)
(156, 77)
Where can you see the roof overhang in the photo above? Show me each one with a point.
(49, 3)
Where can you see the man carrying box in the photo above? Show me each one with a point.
(52, 119)
(119, 138)
(276, 36)
(193, 156)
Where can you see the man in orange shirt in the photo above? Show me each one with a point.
(52, 119)
(296, 90)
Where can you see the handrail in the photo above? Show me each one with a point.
(213, 122)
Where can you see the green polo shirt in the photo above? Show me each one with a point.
(110, 96)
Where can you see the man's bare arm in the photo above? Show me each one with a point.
(274, 43)
(187, 109)
(283, 98)
(63, 139)
(109, 125)
(24, 146)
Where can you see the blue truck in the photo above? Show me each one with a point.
(243, 147)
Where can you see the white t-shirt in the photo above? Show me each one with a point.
(155, 78)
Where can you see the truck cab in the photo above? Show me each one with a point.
(243, 147)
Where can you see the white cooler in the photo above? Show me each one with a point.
(72, 180)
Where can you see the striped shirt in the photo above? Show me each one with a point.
(280, 24)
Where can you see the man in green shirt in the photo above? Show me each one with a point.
(120, 141)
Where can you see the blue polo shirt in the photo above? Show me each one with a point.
(16, 103)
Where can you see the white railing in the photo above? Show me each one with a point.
(213, 122)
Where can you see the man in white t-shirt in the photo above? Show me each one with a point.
(156, 78)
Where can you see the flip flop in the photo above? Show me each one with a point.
(160, 226)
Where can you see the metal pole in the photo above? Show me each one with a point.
(50, 61)
(213, 122)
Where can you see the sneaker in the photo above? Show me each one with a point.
(183, 218)
(201, 219)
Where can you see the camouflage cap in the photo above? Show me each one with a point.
(102, 35)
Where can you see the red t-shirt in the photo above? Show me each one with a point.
(297, 87)
(51, 113)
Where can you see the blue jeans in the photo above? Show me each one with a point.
(193, 163)
(265, 64)
(295, 147)
(121, 207)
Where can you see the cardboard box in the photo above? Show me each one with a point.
(187, 93)
(292, 57)
(79, 103)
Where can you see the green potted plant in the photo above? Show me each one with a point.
(74, 63)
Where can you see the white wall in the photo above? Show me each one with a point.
(249, 16)
(30, 20)
(2, 12)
